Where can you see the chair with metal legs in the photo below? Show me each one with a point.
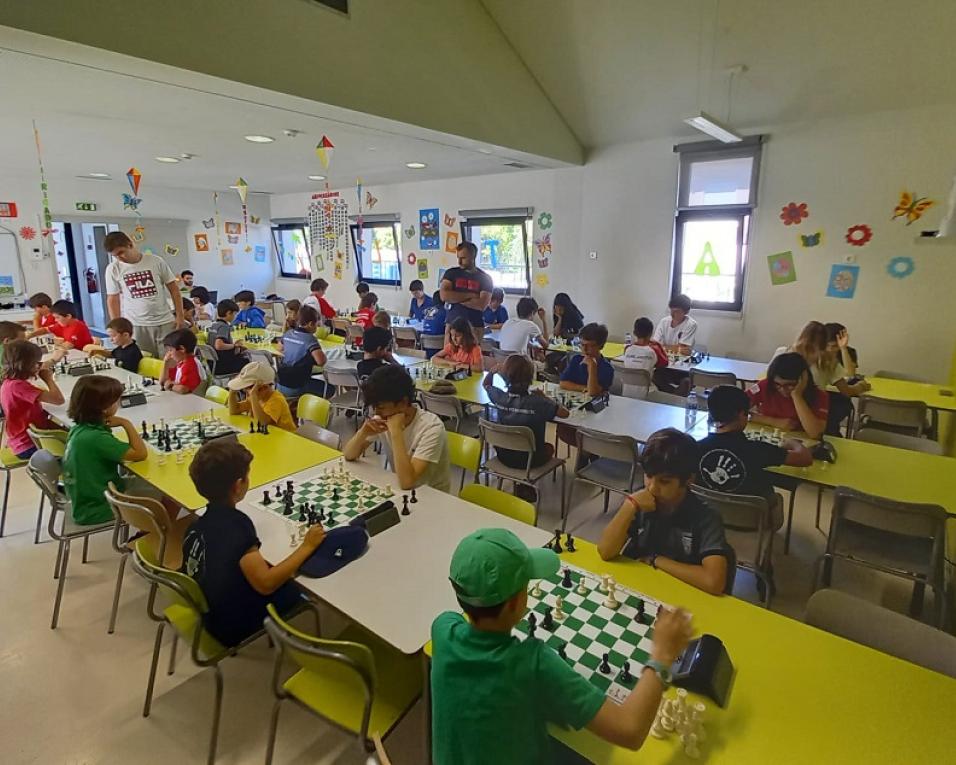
(54, 441)
(8, 463)
(615, 466)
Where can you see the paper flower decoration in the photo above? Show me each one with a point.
(28, 232)
(411, 258)
(544, 220)
(900, 267)
(859, 235)
(542, 280)
(793, 213)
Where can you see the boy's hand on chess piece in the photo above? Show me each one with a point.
(314, 537)
(672, 632)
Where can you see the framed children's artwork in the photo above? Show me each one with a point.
(451, 241)
(225, 255)
(202, 242)
(782, 269)
(843, 279)
(422, 268)
(233, 228)
(428, 225)
(260, 255)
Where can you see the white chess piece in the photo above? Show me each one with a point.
(657, 729)
(179, 456)
(536, 591)
(162, 458)
(611, 602)
(603, 586)
(581, 589)
(558, 615)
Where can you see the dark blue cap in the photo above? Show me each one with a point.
(341, 545)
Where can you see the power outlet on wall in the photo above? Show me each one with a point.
(593, 254)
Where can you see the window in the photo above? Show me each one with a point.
(503, 240)
(716, 197)
(292, 250)
(378, 252)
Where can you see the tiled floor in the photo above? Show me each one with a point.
(74, 695)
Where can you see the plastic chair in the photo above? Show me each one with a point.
(751, 515)
(54, 441)
(905, 417)
(217, 394)
(501, 356)
(353, 333)
(500, 502)
(518, 438)
(356, 682)
(320, 435)
(449, 408)
(703, 382)
(904, 539)
(635, 378)
(898, 441)
(341, 324)
(405, 334)
(8, 463)
(900, 376)
(150, 367)
(616, 468)
(662, 397)
(333, 339)
(348, 392)
(314, 409)
(464, 452)
(44, 469)
(432, 342)
(887, 631)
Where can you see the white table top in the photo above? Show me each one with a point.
(634, 417)
(336, 358)
(748, 371)
(401, 583)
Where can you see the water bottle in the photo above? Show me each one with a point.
(690, 414)
(627, 339)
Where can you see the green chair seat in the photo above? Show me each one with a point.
(185, 621)
(9, 460)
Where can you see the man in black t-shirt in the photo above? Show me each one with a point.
(667, 526)
(221, 549)
(467, 289)
(734, 464)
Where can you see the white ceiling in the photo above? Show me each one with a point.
(625, 70)
(99, 111)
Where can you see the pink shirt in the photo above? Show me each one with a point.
(20, 400)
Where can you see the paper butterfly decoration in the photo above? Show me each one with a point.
(542, 262)
(911, 207)
(410, 232)
(811, 240)
(450, 220)
(170, 250)
(209, 222)
(370, 201)
(130, 202)
(255, 220)
(543, 244)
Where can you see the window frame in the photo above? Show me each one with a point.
(521, 220)
(704, 151)
(396, 226)
(303, 226)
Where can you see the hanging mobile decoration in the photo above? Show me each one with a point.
(328, 217)
(215, 209)
(242, 189)
(47, 216)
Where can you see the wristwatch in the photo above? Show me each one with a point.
(662, 671)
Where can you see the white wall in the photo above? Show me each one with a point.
(621, 205)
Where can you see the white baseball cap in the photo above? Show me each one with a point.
(253, 373)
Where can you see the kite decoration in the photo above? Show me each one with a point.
(793, 213)
(859, 235)
(132, 201)
(242, 189)
(911, 207)
(47, 215)
(323, 151)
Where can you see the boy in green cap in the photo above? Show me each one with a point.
(493, 694)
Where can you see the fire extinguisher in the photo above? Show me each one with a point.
(91, 285)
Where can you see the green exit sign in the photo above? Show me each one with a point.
(86, 206)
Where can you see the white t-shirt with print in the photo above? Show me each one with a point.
(142, 285)
(515, 334)
(638, 357)
(683, 334)
(426, 439)
(826, 377)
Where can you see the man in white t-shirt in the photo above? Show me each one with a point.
(147, 284)
(417, 439)
(517, 332)
(677, 331)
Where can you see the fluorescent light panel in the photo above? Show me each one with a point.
(707, 124)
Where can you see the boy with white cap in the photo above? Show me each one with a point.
(263, 402)
(493, 694)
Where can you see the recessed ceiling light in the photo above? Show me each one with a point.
(416, 165)
(372, 148)
(167, 160)
(95, 176)
(316, 177)
(260, 138)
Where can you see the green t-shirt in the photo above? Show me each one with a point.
(92, 456)
(493, 695)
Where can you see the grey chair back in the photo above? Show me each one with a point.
(486, 345)
(607, 446)
(501, 356)
(343, 378)
(405, 334)
(447, 407)
(671, 399)
(700, 380)
(433, 342)
(906, 417)
(639, 378)
(317, 433)
(209, 356)
(887, 631)
(353, 332)
(417, 353)
(899, 441)
(517, 438)
(45, 470)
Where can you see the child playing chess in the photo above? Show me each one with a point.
(300, 352)
(43, 318)
(589, 371)
(788, 399)
(232, 355)
(368, 307)
(417, 438)
(125, 350)
(291, 314)
(462, 350)
(182, 371)
(221, 549)
(317, 300)
(643, 353)
(249, 314)
(202, 301)
(382, 319)
(376, 351)
(21, 400)
(666, 526)
(495, 314)
(69, 331)
(493, 695)
(263, 403)
(420, 301)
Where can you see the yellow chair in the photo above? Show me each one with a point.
(314, 409)
(464, 452)
(334, 339)
(54, 441)
(8, 463)
(150, 367)
(217, 394)
(201, 337)
(356, 682)
(501, 502)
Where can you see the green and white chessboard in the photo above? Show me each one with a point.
(188, 432)
(774, 437)
(591, 629)
(337, 493)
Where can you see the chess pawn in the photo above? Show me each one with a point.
(559, 615)
(581, 589)
(657, 729)
(536, 591)
(681, 701)
(180, 456)
(690, 745)
(611, 602)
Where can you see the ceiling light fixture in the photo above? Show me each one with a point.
(712, 127)
(260, 138)
(416, 165)
(291, 132)
(167, 160)
(316, 177)
(95, 176)
(186, 155)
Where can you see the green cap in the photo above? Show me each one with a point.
(491, 565)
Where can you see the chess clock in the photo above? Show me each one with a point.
(132, 399)
(705, 668)
(378, 519)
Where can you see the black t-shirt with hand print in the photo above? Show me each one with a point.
(733, 464)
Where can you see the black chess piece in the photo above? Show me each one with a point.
(626, 676)
(288, 486)
(167, 447)
(266, 499)
(562, 652)
(414, 499)
(640, 612)
(252, 426)
(569, 543)
(605, 667)
(532, 624)
(145, 431)
(265, 428)
(405, 510)
(335, 494)
(548, 622)
(556, 545)
(566, 579)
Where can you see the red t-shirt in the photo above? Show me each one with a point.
(662, 360)
(47, 321)
(188, 373)
(326, 309)
(772, 404)
(77, 333)
(20, 400)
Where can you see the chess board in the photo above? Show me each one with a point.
(339, 496)
(591, 629)
(768, 437)
(188, 432)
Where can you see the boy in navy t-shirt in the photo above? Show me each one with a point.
(420, 301)
(300, 352)
(589, 371)
(433, 321)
